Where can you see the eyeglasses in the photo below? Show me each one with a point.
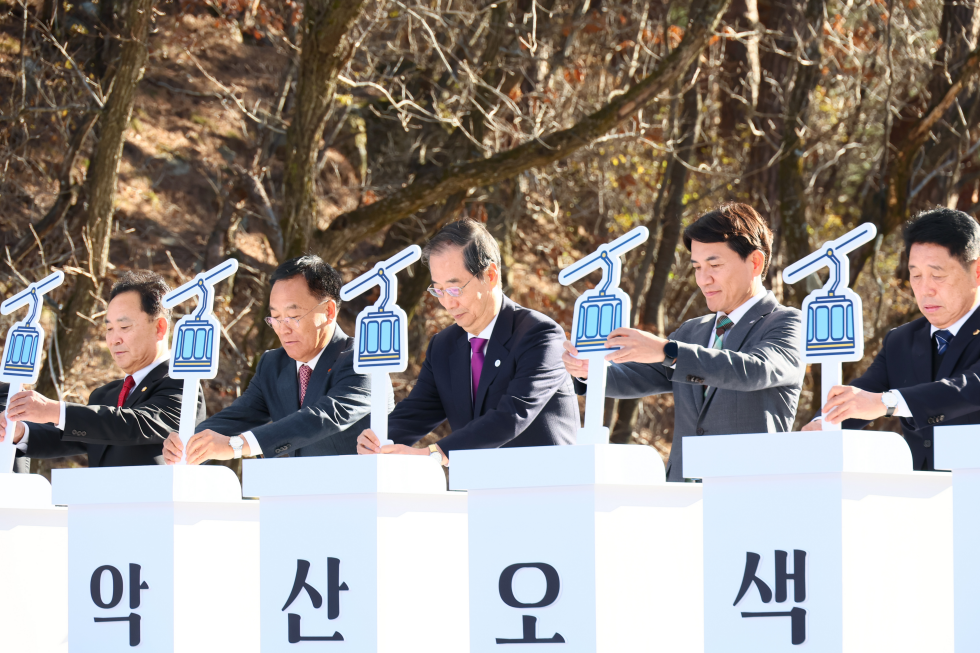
(452, 292)
(291, 322)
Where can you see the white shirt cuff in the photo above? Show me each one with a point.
(61, 416)
(22, 445)
(253, 444)
(902, 409)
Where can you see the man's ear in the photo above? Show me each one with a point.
(493, 273)
(162, 328)
(758, 262)
(331, 311)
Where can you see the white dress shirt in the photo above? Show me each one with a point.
(138, 377)
(485, 334)
(248, 436)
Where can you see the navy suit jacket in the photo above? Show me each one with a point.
(904, 363)
(111, 436)
(525, 397)
(335, 410)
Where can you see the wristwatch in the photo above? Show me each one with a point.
(670, 353)
(434, 453)
(236, 442)
(890, 399)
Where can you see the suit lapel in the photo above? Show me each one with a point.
(289, 386)
(496, 350)
(963, 339)
(136, 394)
(741, 331)
(922, 353)
(459, 374)
(337, 344)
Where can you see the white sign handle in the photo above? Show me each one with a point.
(7, 450)
(188, 415)
(593, 432)
(830, 375)
(379, 406)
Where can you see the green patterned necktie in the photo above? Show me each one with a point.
(724, 324)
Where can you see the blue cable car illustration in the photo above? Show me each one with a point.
(194, 354)
(382, 329)
(834, 332)
(25, 339)
(599, 312)
(381, 332)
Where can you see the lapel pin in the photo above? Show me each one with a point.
(976, 332)
(144, 389)
(497, 364)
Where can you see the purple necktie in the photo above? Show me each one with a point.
(476, 363)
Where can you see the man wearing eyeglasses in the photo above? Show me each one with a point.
(496, 375)
(305, 399)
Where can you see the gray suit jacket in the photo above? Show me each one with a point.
(335, 410)
(754, 383)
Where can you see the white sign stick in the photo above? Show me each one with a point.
(598, 312)
(196, 342)
(22, 351)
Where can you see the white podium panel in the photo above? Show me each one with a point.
(585, 548)
(823, 541)
(34, 573)
(958, 449)
(360, 553)
(160, 558)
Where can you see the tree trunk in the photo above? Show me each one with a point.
(431, 188)
(101, 183)
(325, 47)
(792, 189)
(673, 210)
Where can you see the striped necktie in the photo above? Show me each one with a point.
(943, 338)
(723, 325)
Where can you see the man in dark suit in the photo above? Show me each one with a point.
(305, 398)
(737, 370)
(496, 374)
(926, 370)
(127, 420)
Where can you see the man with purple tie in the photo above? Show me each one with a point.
(496, 375)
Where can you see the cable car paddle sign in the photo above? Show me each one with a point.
(194, 354)
(381, 332)
(598, 312)
(22, 351)
(833, 315)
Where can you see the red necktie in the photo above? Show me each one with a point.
(126, 387)
(304, 380)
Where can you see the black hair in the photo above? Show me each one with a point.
(151, 288)
(480, 249)
(323, 281)
(949, 228)
(734, 223)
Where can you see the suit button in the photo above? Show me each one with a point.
(930, 421)
(927, 444)
(942, 417)
(700, 431)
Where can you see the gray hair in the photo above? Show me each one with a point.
(480, 250)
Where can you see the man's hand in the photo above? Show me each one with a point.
(173, 449)
(574, 366)
(848, 402)
(404, 450)
(18, 430)
(368, 442)
(29, 406)
(635, 346)
(815, 425)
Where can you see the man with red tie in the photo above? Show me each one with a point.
(127, 420)
(496, 375)
(305, 399)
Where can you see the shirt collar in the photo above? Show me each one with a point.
(139, 375)
(313, 361)
(740, 312)
(487, 332)
(956, 326)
